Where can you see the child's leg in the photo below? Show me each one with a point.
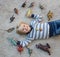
(58, 31)
(54, 28)
(57, 23)
(57, 26)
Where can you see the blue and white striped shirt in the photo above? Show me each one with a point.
(40, 31)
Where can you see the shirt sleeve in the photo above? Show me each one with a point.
(26, 42)
(38, 17)
(33, 22)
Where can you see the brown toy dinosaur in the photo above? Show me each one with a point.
(44, 47)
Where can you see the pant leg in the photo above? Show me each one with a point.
(57, 27)
(58, 31)
(51, 29)
(54, 28)
(57, 23)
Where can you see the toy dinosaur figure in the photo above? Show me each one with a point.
(29, 12)
(13, 42)
(16, 10)
(44, 47)
(41, 7)
(8, 30)
(24, 4)
(31, 5)
(29, 51)
(12, 19)
(20, 48)
(49, 15)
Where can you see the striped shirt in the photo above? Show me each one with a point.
(40, 31)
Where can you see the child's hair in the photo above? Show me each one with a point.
(20, 31)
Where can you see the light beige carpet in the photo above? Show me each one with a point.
(6, 11)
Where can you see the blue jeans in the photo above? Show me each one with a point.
(54, 28)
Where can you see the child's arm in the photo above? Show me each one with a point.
(36, 17)
(33, 22)
(26, 42)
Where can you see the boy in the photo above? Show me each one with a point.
(38, 30)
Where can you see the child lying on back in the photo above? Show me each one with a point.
(38, 30)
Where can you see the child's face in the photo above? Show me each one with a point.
(24, 28)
